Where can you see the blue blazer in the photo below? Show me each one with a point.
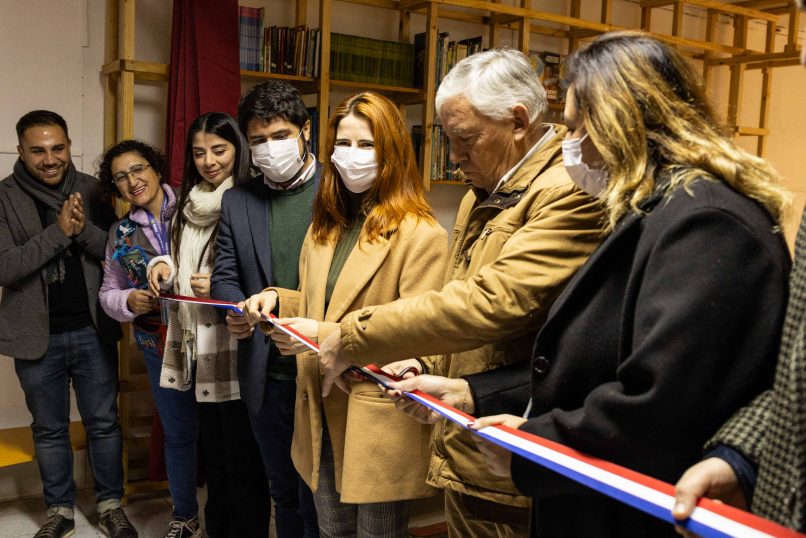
(243, 268)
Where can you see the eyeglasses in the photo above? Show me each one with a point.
(135, 171)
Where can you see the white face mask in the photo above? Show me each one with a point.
(591, 180)
(279, 160)
(357, 167)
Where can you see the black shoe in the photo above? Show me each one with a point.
(57, 527)
(114, 524)
(184, 529)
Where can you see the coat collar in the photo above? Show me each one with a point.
(360, 268)
(628, 229)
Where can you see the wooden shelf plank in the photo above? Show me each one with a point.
(276, 76)
(773, 57)
(716, 5)
(382, 88)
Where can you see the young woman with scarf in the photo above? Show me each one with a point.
(200, 354)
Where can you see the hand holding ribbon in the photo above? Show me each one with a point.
(333, 363)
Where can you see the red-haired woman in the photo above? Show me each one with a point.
(373, 239)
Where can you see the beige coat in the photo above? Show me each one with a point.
(512, 253)
(380, 454)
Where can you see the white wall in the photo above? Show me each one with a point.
(52, 52)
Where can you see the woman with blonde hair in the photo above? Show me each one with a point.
(372, 240)
(673, 322)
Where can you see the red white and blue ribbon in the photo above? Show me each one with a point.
(709, 519)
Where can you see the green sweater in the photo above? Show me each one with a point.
(289, 218)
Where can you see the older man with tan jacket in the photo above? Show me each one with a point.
(520, 234)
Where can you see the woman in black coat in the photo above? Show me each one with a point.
(673, 322)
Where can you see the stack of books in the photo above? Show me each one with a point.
(449, 53)
(277, 49)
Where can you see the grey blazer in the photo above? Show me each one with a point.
(25, 250)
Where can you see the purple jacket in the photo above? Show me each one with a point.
(115, 288)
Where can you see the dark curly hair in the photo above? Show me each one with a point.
(155, 157)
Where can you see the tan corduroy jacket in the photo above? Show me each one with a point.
(512, 252)
(380, 454)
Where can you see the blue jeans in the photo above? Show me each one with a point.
(180, 423)
(273, 427)
(91, 364)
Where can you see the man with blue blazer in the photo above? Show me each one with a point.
(53, 224)
(263, 224)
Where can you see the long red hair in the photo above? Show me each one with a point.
(398, 188)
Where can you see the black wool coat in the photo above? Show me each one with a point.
(670, 327)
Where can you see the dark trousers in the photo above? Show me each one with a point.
(82, 358)
(273, 426)
(238, 503)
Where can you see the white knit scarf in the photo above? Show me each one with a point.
(202, 211)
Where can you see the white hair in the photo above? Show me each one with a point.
(493, 82)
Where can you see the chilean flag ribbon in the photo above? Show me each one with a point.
(709, 519)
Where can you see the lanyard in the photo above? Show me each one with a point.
(160, 229)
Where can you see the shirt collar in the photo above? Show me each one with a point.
(548, 135)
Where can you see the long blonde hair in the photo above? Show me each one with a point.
(646, 112)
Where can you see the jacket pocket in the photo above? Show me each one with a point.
(386, 452)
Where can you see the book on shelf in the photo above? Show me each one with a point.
(547, 66)
(372, 61)
(313, 113)
(448, 54)
(277, 49)
(250, 37)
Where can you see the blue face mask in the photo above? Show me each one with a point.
(590, 180)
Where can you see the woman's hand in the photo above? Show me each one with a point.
(159, 273)
(200, 284)
(408, 367)
(141, 301)
(333, 363)
(259, 306)
(287, 344)
(453, 392)
(499, 459)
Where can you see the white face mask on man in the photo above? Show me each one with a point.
(357, 167)
(591, 180)
(279, 160)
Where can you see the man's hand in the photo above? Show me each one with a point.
(713, 478)
(77, 216)
(200, 284)
(499, 459)
(141, 301)
(159, 274)
(333, 363)
(259, 306)
(238, 324)
(453, 392)
(69, 217)
(289, 345)
(409, 368)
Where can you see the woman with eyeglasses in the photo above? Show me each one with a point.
(200, 353)
(137, 173)
(373, 239)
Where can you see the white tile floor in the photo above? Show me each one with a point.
(149, 513)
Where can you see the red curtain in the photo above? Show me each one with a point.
(204, 70)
